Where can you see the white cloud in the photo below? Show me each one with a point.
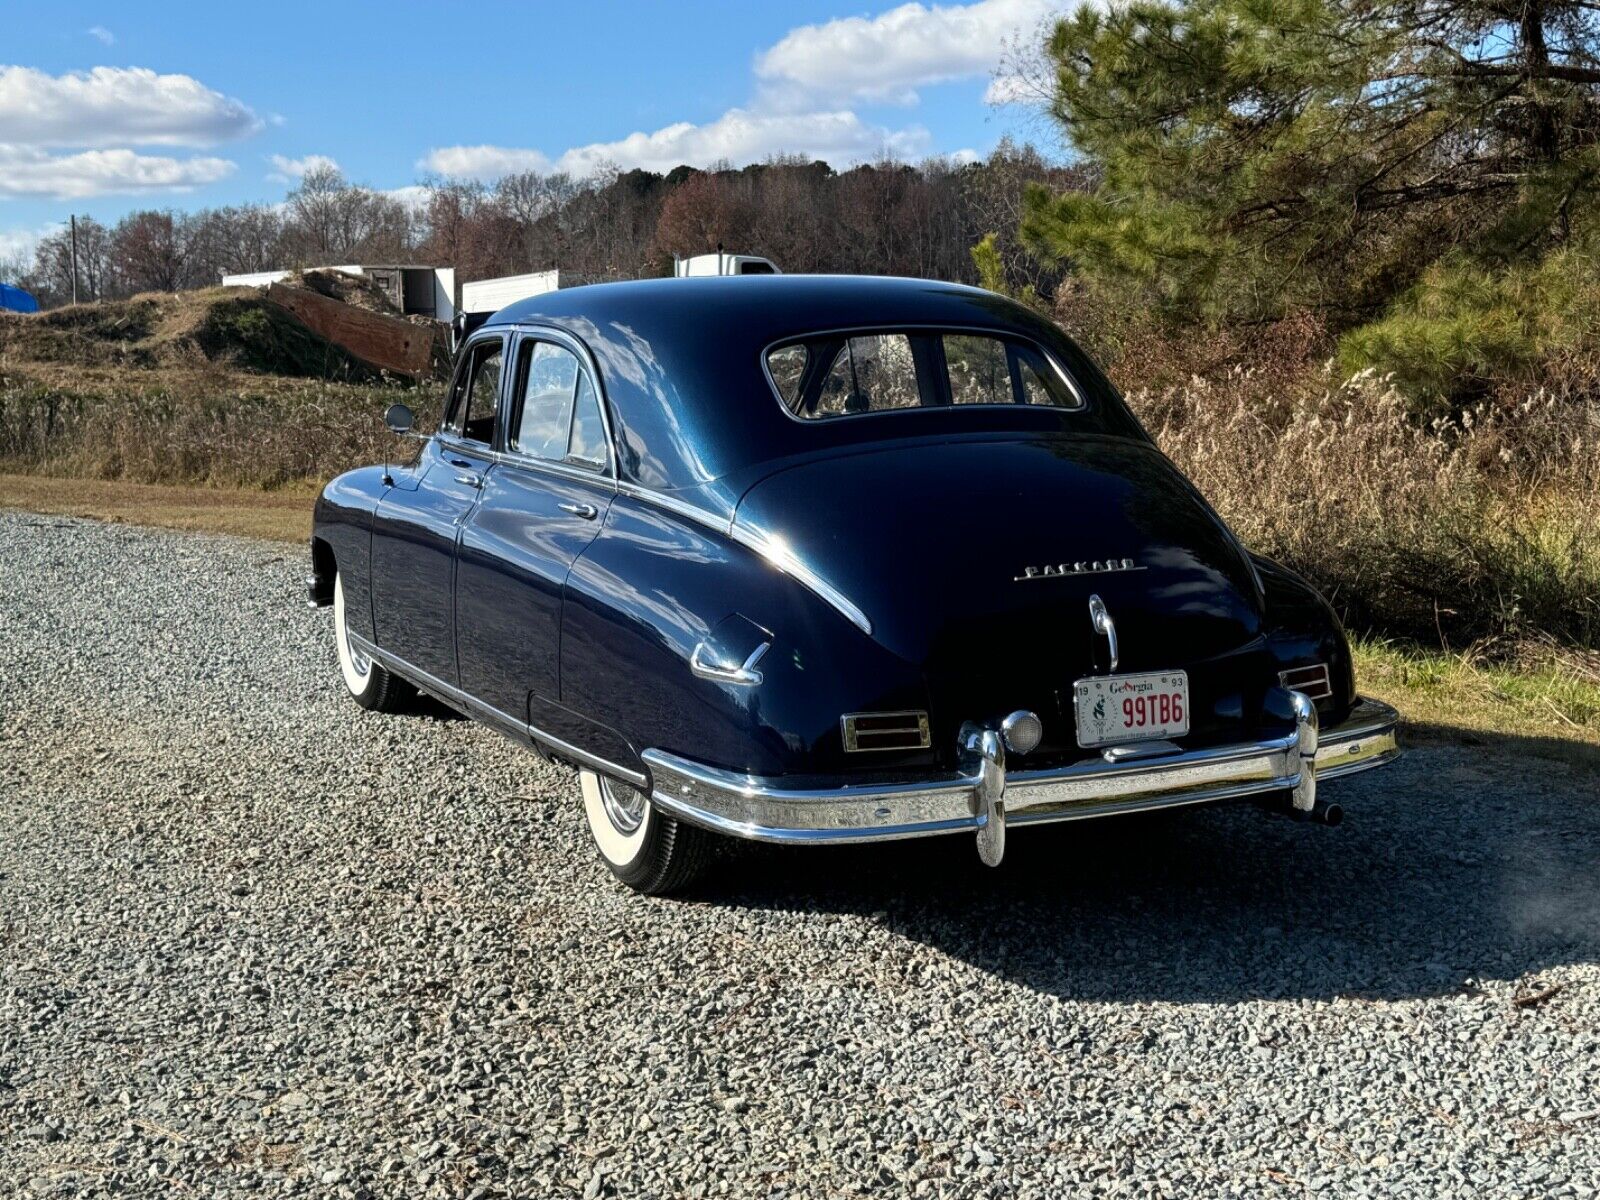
(285, 169)
(116, 106)
(101, 34)
(415, 196)
(739, 136)
(483, 162)
(882, 58)
(26, 171)
(1014, 89)
(886, 58)
(20, 243)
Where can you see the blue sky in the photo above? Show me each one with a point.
(109, 107)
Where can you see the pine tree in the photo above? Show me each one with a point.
(1260, 155)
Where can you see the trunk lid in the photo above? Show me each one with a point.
(955, 551)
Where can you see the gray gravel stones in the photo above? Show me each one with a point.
(256, 941)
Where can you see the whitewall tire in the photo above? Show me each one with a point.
(370, 684)
(646, 849)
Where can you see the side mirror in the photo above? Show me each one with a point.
(399, 419)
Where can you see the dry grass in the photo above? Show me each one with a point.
(229, 326)
(208, 424)
(280, 516)
(1447, 534)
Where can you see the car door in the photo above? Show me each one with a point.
(415, 530)
(541, 507)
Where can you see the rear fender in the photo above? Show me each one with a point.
(653, 587)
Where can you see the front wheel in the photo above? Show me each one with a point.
(371, 684)
(649, 851)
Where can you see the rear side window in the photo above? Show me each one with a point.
(849, 374)
(558, 413)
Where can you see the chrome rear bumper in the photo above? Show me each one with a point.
(987, 797)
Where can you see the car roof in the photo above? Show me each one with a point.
(682, 367)
(769, 302)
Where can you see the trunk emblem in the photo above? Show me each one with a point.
(1098, 566)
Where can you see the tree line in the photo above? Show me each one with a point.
(885, 217)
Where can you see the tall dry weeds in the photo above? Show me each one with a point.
(208, 425)
(1455, 531)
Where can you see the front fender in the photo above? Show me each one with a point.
(341, 539)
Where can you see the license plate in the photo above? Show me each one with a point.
(1113, 709)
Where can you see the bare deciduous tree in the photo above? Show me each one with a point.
(885, 217)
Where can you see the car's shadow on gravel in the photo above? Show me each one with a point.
(1474, 857)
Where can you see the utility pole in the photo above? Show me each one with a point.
(74, 221)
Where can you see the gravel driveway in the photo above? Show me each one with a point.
(254, 940)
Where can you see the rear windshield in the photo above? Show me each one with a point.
(835, 375)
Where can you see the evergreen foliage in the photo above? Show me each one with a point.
(1420, 173)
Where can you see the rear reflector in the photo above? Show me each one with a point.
(1312, 680)
(886, 731)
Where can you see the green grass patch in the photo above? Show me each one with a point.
(1534, 689)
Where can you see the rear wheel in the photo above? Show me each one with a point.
(371, 684)
(646, 849)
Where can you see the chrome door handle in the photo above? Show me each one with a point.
(472, 481)
(587, 511)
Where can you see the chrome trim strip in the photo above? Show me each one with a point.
(506, 722)
(745, 675)
(508, 458)
(776, 553)
(671, 504)
(759, 809)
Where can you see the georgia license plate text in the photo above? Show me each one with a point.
(1132, 708)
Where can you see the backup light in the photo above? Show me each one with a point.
(1022, 731)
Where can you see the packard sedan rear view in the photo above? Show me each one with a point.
(825, 560)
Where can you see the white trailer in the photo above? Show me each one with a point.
(722, 263)
(487, 296)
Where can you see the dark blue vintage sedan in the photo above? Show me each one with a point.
(827, 559)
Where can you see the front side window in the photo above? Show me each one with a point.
(843, 375)
(477, 394)
(558, 417)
